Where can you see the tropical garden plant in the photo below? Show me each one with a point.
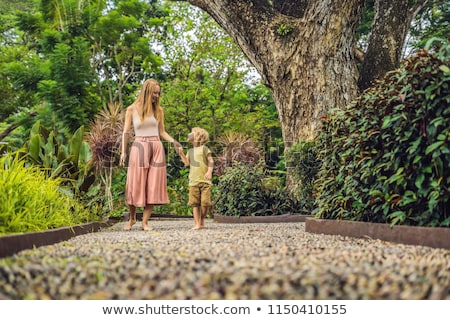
(248, 189)
(61, 62)
(235, 147)
(386, 156)
(245, 184)
(104, 138)
(303, 162)
(31, 201)
(68, 160)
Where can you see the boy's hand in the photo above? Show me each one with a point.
(208, 175)
(178, 147)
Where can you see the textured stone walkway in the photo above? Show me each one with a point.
(224, 261)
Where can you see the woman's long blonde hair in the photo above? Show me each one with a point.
(144, 104)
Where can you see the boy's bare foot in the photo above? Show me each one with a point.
(146, 228)
(197, 228)
(129, 224)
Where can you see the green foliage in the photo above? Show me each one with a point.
(239, 191)
(68, 92)
(122, 37)
(235, 147)
(249, 190)
(367, 20)
(20, 72)
(91, 51)
(178, 191)
(32, 202)
(208, 81)
(283, 29)
(386, 156)
(8, 6)
(70, 163)
(432, 22)
(303, 163)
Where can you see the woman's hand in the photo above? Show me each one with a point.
(123, 157)
(178, 147)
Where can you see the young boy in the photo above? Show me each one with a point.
(201, 164)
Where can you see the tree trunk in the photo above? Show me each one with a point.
(387, 38)
(303, 50)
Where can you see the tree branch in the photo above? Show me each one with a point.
(359, 55)
(294, 9)
(15, 125)
(416, 7)
(390, 26)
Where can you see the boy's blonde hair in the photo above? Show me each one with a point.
(201, 136)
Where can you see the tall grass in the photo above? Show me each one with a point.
(31, 202)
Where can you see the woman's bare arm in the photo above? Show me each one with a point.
(164, 135)
(126, 135)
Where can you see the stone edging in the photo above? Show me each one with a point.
(423, 236)
(126, 216)
(11, 244)
(260, 219)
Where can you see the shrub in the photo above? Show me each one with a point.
(303, 164)
(386, 156)
(235, 148)
(32, 202)
(178, 190)
(248, 190)
(104, 138)
(67, 160)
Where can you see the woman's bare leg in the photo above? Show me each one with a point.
(132, 218)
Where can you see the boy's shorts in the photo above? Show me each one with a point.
(200, 195)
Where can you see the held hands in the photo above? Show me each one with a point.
(178, 147)
(123, 157)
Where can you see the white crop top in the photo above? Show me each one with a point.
(146, 128)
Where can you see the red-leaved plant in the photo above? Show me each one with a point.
(104, 137)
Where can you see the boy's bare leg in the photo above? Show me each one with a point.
(205, 211)
(146, 215)
(197, 218)
(131, 219)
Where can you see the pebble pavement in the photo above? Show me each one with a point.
(274, 261)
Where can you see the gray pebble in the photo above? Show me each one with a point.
(224, 261)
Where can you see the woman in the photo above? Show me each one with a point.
(146, 184)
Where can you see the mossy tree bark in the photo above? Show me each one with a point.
(305, 51)
(387, 38)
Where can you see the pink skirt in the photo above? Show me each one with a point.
(146, 177)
